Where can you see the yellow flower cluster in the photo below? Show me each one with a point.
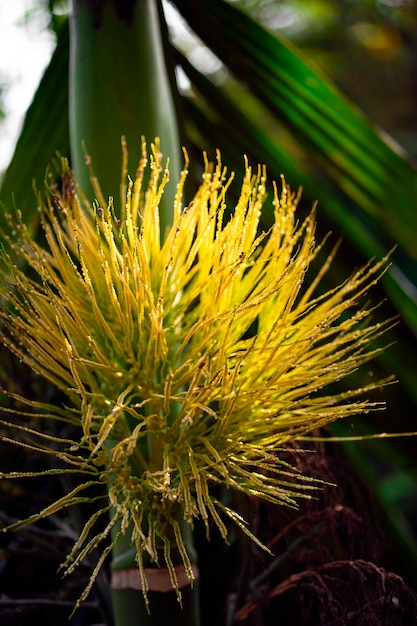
(188, 360)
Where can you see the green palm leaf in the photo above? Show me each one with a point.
(336, 137)
(45, 132)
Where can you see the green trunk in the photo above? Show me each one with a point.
(130, 608)
(120, 85)
(164, 608)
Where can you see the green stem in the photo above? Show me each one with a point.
(165, 608)
(129, 605)
(120, 85)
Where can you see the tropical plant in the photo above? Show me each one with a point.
(363, 186)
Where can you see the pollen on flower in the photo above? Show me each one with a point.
(187, 362)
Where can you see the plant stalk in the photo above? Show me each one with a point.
(164, 607)
(120, 85)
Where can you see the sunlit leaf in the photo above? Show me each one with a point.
(44, 133)
(339, 140)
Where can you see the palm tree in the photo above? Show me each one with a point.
(127, 87)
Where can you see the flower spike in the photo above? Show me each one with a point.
(186, 363)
